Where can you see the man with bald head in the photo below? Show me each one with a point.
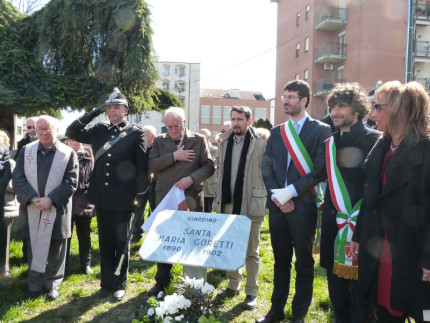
(45, 177)
(181, 158)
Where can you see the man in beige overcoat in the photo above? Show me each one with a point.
(179, 157)
(240, 190)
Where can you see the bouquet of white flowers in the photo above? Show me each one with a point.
(190, 303)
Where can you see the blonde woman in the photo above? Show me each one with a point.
(392, 238)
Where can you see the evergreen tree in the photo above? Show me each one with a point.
(72, 53)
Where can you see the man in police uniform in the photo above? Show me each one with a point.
(119, 179)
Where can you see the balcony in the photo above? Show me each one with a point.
(422, 51)
(425, 82)
(330, 19)
(322, 87)
(422, 13)
(330, 53)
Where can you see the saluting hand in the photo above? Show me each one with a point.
(184, 155)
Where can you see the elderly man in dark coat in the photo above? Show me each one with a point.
(182, 158)
(44, 179)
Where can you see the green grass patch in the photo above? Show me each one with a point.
(77, 302)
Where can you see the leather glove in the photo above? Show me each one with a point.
(90, 115)
(283, 195)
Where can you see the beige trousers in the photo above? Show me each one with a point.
(252, 260)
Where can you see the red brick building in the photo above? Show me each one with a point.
(331, 41)
(215, 107)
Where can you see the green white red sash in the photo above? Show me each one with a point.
(304, 165)
(297, 151)
(345, 265)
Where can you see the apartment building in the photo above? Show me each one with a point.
(215, 107)
(329, 41)
(183, 80)
(421, 48)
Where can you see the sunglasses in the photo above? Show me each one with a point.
(31, 127)
(378, 106)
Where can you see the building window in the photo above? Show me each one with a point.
(341, 43)
(205, 114)
(260, 113)
(297, 49)
(306, 44)
(306, 75)
(147, 115)
(226, 114)
(180, 87)
(216, 114)
(166, 85)
(180, 71)
(341, 74)
(19, 130)
(297, 77)
(138, 118)
(308, 9)
(298, 20)
(166, 70)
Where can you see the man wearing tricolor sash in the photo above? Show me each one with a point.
(44, 179)
(292, 166)
(346, 151)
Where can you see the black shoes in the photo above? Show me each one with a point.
(250, 302)
(102, 293)
(227, 293)
(87, 270)
(53, 294)
(155, 290)
(119, 295)
(271, 317)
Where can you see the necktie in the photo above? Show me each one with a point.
(177, 142)
(296, 127)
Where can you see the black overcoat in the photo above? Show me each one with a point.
(120, 173)
(352, 149)
(401, 209)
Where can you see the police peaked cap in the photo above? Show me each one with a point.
(116, 98)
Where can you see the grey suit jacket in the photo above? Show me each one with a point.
(169, 171)
(274, 164)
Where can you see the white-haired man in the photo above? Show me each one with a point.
(45, 177)
(149, 195)
(182, 158)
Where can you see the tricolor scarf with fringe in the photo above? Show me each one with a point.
(345, 265)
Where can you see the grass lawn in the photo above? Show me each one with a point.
(77, 303)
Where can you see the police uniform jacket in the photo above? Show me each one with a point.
(122, 171)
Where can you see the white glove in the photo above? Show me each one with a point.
(283, 195)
